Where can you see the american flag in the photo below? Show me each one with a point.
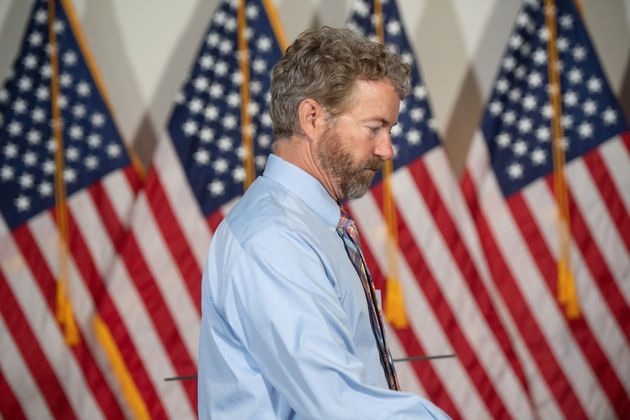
(448, 302)
(575, 368)
(40, 375)
(197, 175)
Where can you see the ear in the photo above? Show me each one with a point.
(312, 118)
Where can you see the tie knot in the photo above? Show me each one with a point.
(345, 221)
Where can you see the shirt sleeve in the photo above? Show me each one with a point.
(288, 315)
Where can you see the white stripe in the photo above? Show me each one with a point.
(422, 320)
(117, 187)
(615, 156)
(19, 377)
(537, 295)
(593, 306)
(542, 398)
(600, 226)
(182, 200)
(148, 345)
(450, 280)
(167, 276)
(45, 328)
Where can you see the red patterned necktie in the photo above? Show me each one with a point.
(347, 230)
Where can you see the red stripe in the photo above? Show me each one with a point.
(214, 220)
(599, 269)
(580, 330)
(163, 322)
(430, 288)
(174, 238)
(609, 194)
(431, 382)
(452, 237)
(10, 407)
(154, 303)
(133, 179)
(92, 373)
(521, 313)
(107, 310)
(41, 371)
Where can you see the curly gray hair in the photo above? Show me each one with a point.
(324, 64)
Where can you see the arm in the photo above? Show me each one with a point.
(287, 313)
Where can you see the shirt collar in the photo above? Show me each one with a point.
(304, 186)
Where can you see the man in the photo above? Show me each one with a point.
(290, 326)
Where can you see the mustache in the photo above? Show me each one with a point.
(374, 164)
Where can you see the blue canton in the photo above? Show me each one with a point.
(205, 126)
(92, 144)
(517, 121)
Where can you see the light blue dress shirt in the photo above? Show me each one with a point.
(285, 329)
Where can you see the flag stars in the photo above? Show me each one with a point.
(46, 71)
(225, 46)
(238, 174)
(393, 28)
(519, 148)
(420, 92)
(503, 140)
(417, 114)
(195, 105)
(502, 85)
(38, 115)
(200, 84)
(30, 61)
(566, 21)
(45, 189)
(48, 167)
(529, 102)
(579, 53)
(26, 180)
(225, 144)
(216, 90)
(30, 158)
(70, 175)
(41, 16)
(259, 66)
(189, 128)
(609, 116)
(72, 154)
(22, 203)
(585, 130)
(65, 79)
(15, 129)
(42, 93)
(538, 157)
(19, 106)
(515, 94)
(594, 85)
(524, 125)
(570, 98)
(563, 44)
(221, 68)
(265, 119)
(83, 89)
(202, 157)
(220, 166)
(94, 140)
(229, 122)
(414, 137)
(543, 134)
(264, 141)
(540, 57)
(509, 117)
(59, 27)
(515, 171)
(575, 76)
(509, 63)
(7, 173)
(35, 39)
(97, 119)
(69, 58)
(264, 43)
(25, 84)
(113, 150)
(206, 61)
(206, 135)
(535, 79)
(251, 11)
(216, 188)
(211, 113)
(589, 107)
(91, 162)
(33, 136)
(567, 121)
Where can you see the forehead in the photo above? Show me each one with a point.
(374, 99)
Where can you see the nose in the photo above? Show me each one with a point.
(383, 147)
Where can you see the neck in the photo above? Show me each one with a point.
(299, 151)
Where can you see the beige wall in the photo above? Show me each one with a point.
(144, 49)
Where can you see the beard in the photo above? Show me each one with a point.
(353, 180)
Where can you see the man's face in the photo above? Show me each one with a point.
(356, 144)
